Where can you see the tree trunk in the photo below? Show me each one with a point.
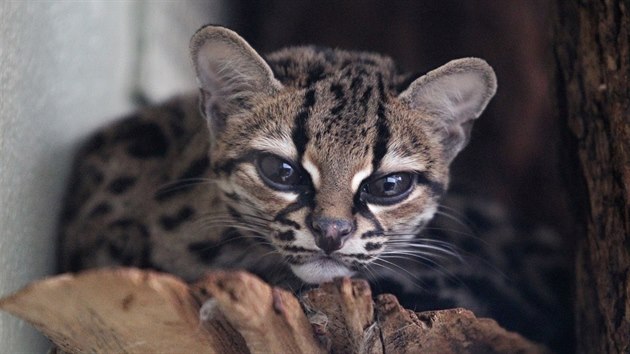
(592, 48)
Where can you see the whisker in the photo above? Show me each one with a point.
(425, 249)
(182, 183)
(434, 266)
(417, 283)
(455, 213)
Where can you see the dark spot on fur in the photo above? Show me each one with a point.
(128, 243)
(121, 184)
(206, 251)
(371, 246)
(94, 144)
(176, 121)
(100, 210)
(171, 222)
(315, 74)
(337, 90)
(286, 236)
(284, 221)
(145, 140)
(197, 168)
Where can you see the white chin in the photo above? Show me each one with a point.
(321, 271)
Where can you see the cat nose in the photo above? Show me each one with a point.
(331, 234)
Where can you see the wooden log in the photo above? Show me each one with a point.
(134, 311)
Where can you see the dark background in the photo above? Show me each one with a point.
(514, 153)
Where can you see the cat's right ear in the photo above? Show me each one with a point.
(230, 73)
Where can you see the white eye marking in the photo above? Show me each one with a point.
(359, 177)
(394, 162)
(376, 209)
(312, 170)
(288, 196)
(282, 147)
(427, 214)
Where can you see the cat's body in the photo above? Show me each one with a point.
(318, 163)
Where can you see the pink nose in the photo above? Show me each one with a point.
(331, 234)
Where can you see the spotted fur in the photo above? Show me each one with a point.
(161, 190)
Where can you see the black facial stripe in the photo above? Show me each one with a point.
(233, 213)
(371, 246)
(298, 135)
(382, 128)
(363, 210)
(305, 199)
(370, 234)
(229, 165)
(232, 196)
(286, 236)
(359, 256)
(281, 217)
(297, 249)
(295, 260)
(436, 188)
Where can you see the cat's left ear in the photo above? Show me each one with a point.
(455, 94)
(231, 74)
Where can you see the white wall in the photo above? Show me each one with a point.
(66, 67)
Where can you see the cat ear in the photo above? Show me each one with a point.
(457, 93)
(230, 73)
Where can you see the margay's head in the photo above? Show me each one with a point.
(330, 154)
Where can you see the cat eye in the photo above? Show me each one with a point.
(389, 189)
(278, 173)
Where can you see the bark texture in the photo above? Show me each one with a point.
(134, 311)
(593, 84)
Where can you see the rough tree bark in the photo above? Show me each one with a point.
(592, 47)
